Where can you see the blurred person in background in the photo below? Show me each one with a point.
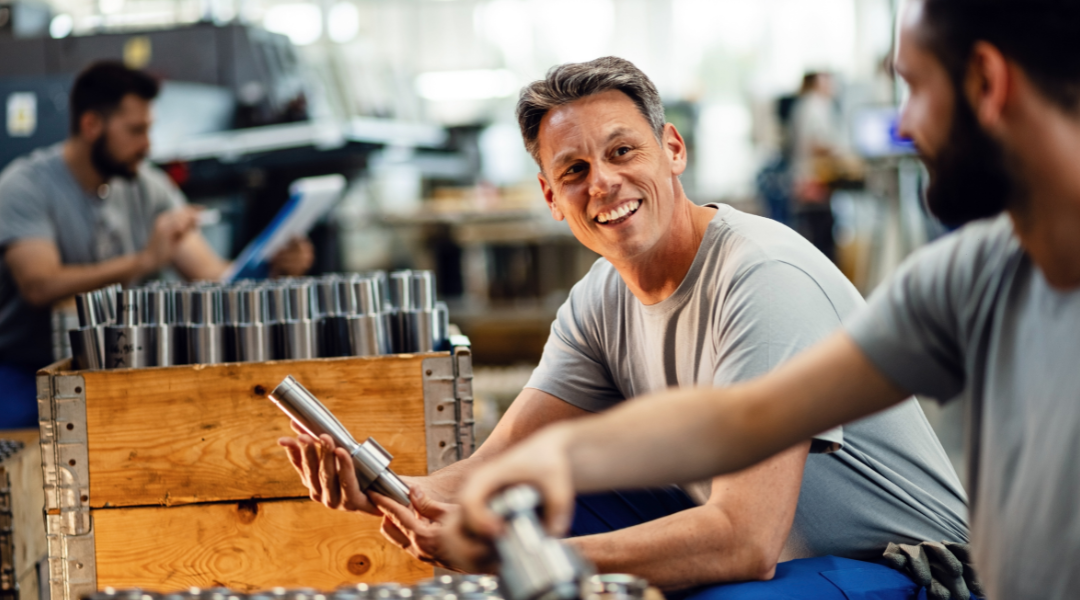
(819, 159)
(685, 295)
(89, 212)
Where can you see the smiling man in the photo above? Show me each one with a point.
(685, 295)
(989, 315)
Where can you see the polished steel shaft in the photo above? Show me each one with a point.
(371, 460)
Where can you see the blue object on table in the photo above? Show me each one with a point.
(18, 398)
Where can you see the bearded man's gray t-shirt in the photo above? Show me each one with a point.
(971, 318)
(40, 199)
(757, 294)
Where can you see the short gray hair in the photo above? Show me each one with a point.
(567, 83)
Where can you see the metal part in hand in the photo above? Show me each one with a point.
(371, 460)
(535, 566)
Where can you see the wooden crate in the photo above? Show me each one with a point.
(22, 532)
(167, 478)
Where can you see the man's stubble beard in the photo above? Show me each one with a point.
(106, 165)
(971, 177)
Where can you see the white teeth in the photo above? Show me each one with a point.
(618, 213)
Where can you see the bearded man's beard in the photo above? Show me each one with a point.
(107, 166)
(970, 178)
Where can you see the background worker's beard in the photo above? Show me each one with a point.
(970, 178)
(106, 165)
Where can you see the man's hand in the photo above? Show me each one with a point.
(328, 473)
(294, 259)
(170, 229)
(417, 529)
(472, 553)
(541, 460)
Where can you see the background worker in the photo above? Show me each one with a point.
(685, 295)
(989, 315)
(89, 212)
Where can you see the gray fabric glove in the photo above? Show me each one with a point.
(944, 569)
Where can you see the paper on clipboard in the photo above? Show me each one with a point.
(309, 200)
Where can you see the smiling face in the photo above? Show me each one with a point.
(608, 176)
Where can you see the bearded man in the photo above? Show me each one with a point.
(86, 213)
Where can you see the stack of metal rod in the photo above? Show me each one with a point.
(443, 587)
(165, 324)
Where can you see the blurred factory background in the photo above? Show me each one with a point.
(412, 100)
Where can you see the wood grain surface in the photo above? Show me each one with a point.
(245, 546)
(180, 435)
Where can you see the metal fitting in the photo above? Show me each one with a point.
(372, 461)
(535, 566)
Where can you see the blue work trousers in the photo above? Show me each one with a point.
(820, 578)
(18, 397)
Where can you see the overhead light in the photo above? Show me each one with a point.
(343, 22)
(109, 7)
(301, 22)
(61, 26)
(479, 84)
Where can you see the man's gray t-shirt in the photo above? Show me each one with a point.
(971, 317)
(40, 199)
(757, 294)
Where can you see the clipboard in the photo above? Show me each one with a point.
(310, 199)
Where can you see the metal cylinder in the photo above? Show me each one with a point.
(86, 348)
(275, 306)
(87, 307)
(400, 283)
(182, 308)
(423, 290)
(442, 326)
(614, 586)
(160, 315)
(205, 335)
(401, 289)
(535, 566)
(205, 344)
(420, 325)
(367, 335)
(297, 332)
(372, 461)
(257, 345)
(300, 341)
(368, 296)
(338, 302)
(127, 343)
(254, 343)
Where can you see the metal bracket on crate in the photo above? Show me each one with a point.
(448, 404)
(463, 392)
(66, 471)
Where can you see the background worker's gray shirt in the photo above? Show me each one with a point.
(757, 294)
(40, 199)
(972, 318)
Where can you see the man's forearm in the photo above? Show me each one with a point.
(446, 481)
(69, 280)
(705, 432)
(689, 548)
